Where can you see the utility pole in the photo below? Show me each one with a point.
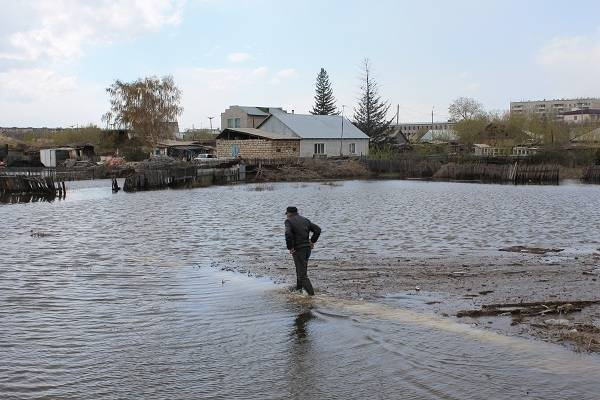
(342, 135)
(398, 114)
(210, 120)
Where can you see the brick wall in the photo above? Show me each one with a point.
(259, 148)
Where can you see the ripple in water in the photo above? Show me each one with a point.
(111, 304)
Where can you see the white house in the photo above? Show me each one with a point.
(320, 135)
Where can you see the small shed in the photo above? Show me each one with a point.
(256, 143)
(51, 158)
(182, 149)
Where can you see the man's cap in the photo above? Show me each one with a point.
(291, 210)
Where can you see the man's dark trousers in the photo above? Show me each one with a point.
(301, 257)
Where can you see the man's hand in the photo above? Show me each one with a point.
(312, 245)
(292, 251)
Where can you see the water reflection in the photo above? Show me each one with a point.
(10, 198)
(300, 322)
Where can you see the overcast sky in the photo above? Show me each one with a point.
(58, 56)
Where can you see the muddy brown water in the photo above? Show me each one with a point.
(117, 298)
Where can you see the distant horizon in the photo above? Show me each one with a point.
(435, 121)
(58, 57)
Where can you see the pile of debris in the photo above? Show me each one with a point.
(530, 250)
(160, 162)
(528, 309)
(75, 164)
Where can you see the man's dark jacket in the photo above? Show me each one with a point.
(297, 231)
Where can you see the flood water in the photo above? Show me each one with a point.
(117, 299)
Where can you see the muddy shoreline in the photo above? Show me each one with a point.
(449, 285)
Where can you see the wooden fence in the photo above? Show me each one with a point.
(424, 168)
(178, 177)
(404, 168)
(592, 174)
(32, 185)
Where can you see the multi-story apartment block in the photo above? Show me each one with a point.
(412, 129)
(554, 107)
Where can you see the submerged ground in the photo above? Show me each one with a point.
(113, 295)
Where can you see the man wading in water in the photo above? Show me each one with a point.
(297, 231)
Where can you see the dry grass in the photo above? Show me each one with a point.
(311, 170)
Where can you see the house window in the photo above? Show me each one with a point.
(237, 123)
(352, 148)
(230, 122)
(319, 148)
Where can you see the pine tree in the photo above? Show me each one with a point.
(324, 100)
(371, 114)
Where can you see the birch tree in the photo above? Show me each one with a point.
(145, 106)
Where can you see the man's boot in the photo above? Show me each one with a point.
(308, 286)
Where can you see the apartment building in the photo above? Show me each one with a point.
(412, 129)
(555, 107)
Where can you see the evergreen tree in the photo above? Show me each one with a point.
(324, 100)
(371, 114)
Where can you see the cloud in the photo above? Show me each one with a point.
(570, 51)
(571, 64)
(59, 30)
(39, 40)
(472, 87)
(282, 74)
(260, 72)
(35, 83)
(219, 79)
(286, 73)
(44, 97)
(239, 57)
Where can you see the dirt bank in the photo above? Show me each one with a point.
(312, 170)
(545, 296)
(324, 169)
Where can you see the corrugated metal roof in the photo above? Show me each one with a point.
(318, 126)
(253, 110)
(259, 133)
(590, 137)
(439, 135)
(173, 143)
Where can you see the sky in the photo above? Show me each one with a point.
(58, 56)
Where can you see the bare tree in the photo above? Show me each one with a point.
(370, 116)
(145, 106)
(465, 108)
